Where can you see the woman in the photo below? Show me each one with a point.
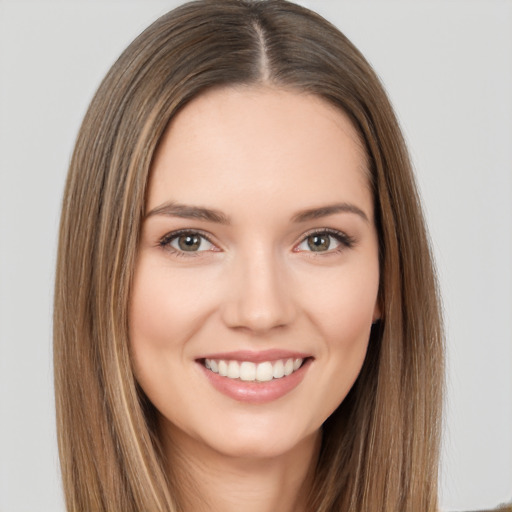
(246, 313)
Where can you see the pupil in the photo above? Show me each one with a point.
(189, 242)
(318, 243)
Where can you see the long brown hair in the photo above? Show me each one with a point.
(380, 448)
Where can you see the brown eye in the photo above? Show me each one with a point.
(319, 242)
(325, 241)
(188, 242)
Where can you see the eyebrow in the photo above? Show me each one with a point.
(173, 209)
(324, 211)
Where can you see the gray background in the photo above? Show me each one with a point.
(448, 68)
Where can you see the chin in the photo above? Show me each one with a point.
(255, 443)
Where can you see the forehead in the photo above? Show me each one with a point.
(259, 144)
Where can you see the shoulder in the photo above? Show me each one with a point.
(501, 508)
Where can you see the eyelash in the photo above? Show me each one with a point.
(165, 242)
(346, 241)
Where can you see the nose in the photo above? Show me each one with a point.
(260, 297)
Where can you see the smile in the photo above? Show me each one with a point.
(249, 371)
(255, 377)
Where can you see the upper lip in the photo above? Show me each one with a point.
(257, 356)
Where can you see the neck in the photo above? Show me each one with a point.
(210, 481)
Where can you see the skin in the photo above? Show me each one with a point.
(259, 155)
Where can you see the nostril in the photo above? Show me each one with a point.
(258, 300)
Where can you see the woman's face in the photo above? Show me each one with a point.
(257, 275)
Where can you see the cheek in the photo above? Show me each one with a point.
(165, 309)
(343, 307)
(158, 323)
(342, 315)
(164, 314)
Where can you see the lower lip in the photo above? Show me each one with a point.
(256, 392)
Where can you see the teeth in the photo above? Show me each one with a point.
(278, 370)
(233, 370)
(251, 372)
(247, 371)
(223, 368)
(264, 372)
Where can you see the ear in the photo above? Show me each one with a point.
(377, 314)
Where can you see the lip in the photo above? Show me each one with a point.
(256, 392)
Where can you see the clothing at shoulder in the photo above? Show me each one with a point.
(504, 507)
(501, 508)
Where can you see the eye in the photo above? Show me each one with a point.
(325, 241)
(187, 242)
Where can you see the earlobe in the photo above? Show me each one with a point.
(377, 315)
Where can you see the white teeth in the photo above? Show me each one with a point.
(247, 371)
(251, 372)
(233, 370)
(264, 372)
(278, 370)
(223, 368)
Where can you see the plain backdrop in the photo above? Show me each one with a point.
(447, 66)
